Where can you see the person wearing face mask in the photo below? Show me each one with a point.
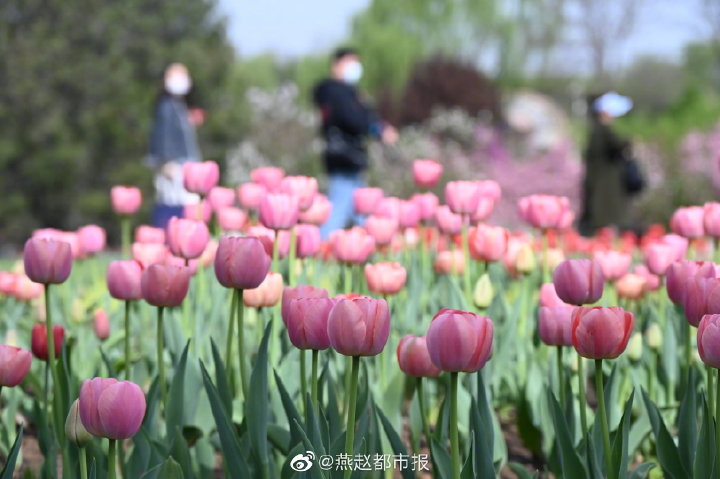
(347, 124)
(172, 143)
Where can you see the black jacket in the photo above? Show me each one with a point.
(173, 136)
(346, 124)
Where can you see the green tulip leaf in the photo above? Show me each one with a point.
(667, 451)
(9, 469)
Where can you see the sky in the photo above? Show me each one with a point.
(291, 28)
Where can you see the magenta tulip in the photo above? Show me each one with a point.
(601, 333)
(359, 327)
(308, 240)
(688, 222)
(426, 173)
(307, 322)
(14, 365)
(279, 211)
(47, 261)
(92, 239)
(300, 291)
(250, 195)
(123, 280)
(126, 200)
(200, 176)
(680, 273)
(578, 281)
(462, 196)
(708, 340)
(613, 264)
(111, 408)
(702, 296)
(165, 285)
(241, 262)
(555, 325)
(459, 340)
(414, 358)
(711, 219)
(187, 238)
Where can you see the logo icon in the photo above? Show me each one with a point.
(302, 462)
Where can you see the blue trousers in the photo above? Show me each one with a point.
(340, 193)
(162, 213)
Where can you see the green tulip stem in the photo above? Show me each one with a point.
(160, 361)
(466, 255)
(603, 415)
(83, 464)
(112, 473)
(561, 376)
(313, 382)
(352, 400)
(229, 339)
(717, 415)
(688, 357)
(581, 395)
(127, 340)
(454, 438)
(241, 343)
(710, 388)
(125, 235)
(348, 279)
(276, 252)
(53, 366)
(545, 264)
(423, 414)
(303, 379)
(291, 257)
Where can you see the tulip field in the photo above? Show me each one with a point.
(427, 342)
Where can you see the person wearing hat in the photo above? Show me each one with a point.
(605, 196)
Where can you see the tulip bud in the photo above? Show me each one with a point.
(484, 292)
(14, 365)
(39, 343)
(578, 281)
(47, 261)
(525, 261)
(634, 347)
(601, 333)
(74, 429)
(414, 359)
(359, 327)
(111, 408)
(101, 324)
(654, 337)
(459, 341)
(267, 294)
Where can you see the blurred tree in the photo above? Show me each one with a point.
(701, 62)
(654, 84)
(79, 81)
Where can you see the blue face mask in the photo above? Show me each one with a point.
(352, 72)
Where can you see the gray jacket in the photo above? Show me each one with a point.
(173, 136)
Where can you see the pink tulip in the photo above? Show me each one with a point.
(601, 333)
(198, 211)
(149, 234)
(111, 408)
(414, 358)
(659, 256)
(303, 187)
(485, 207)
(677, 243)
(47, 261)
(549, 298)
(126, 200)
(190, 264)
(279, 211)
(385, 278)
(268, 176)
(488, 243)
(301, 291)
(165, 285)
(149, 253)
(613, 264)
(544, 211)
(426, 173)
(409, 216)
(389, 207)
(427, 203)
(708, 340)
(688, 222)
(187, 238)
(308, 240)
(555, 325)
(450, 262)
(462, 196)
(123, 280)
(711, 219)
(652, 281)
(241, 262)
(250, 195)
(231, 219)
(7, 282)
(352, 246)
(200, 176)
(39, 342)
(459, 341)
(101, 325)
(25, 289)
(382, 229)
(221, 197)
(680, 273)
(448, 222)
(631, 286)
(92, 239)
(367, 199)
(702, 297)
(319, 211)
(307, 322)
(14, 365)
(359, 327)
(578, 281)
(267, 294)
(270, 237)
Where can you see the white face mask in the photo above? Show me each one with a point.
(178, 84)
(352, 72)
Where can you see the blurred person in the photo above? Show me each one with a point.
(605, 194)
(347, 124)
(173, 142)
